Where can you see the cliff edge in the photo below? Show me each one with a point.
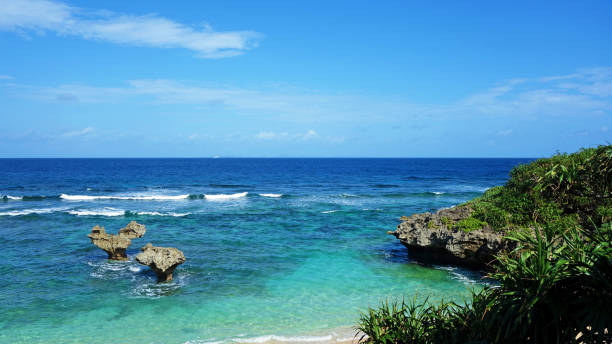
(450, 236)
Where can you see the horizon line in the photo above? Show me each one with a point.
(279, 157)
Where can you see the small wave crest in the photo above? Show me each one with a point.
(270, 195)
(156, 213)
(23, 212)
(120, 212)
(328, 211)
(220, 197)
(97, 212)
(12, 198)
(119, 197)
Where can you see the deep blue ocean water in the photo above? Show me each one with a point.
(291, 248)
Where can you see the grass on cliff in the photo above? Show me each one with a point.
(554, 287)
(562, 191)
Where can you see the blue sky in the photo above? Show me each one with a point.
(314, 78)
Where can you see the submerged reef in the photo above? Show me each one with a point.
(115, 245)
(162, 260)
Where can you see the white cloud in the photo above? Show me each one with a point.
(505, 132)
(41, 16)
(309, 135)
(76, 133)
(271, 135)
(5, 77)
(521, 99)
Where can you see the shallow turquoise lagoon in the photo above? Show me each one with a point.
(291, 248)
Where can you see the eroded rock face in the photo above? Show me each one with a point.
(115, 245)
(162, 260)
(133, 230)
(435, 238)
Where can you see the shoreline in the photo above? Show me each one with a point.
(344, 335)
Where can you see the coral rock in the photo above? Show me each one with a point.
(115, 245)
(133, 230)
(162, 260)
(432, 237)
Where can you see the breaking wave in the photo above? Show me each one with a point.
(11, 198)
(108, 211)
(97, 212)
(135, 197)
(219, 197)
(270, 195)
(22, 212)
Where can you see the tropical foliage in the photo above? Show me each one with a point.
(554, 287)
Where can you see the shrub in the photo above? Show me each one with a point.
(552, 289)
(555, 287)
(470, 224)
(447, 221)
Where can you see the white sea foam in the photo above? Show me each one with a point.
(119, 212)
(97, 212)
(12, 198)
(328, 211)
(438, 192)
(156, 213)
(275, 338)
(220, 197)
(134, 269)
(271, 195)
(30, 211)
(128, 197)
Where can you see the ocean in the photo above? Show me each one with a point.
(277, 249)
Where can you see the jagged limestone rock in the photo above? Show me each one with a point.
(435, 238)
(162, 260)
(133, 230)
(115, 245)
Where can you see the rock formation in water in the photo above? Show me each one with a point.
(133, 230)
(115, 245)
(436, 238)
(162, 260)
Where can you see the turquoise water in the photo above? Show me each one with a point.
(298, 264)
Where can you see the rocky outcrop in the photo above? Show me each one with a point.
(115, 245)
(162, 260)
(436, 238)
(133, 230)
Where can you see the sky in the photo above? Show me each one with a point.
(304, 79)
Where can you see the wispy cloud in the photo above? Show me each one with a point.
(5, 77)
(271, 135)
(517, 99)
(76, 133)
(505, 132)
(27, 17)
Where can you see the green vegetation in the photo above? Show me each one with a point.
(470, 224)
(554, 287)
(432, 225)
(563, 191)
(447, 221)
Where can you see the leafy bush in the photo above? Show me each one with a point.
(554, 287)
(565, 188)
